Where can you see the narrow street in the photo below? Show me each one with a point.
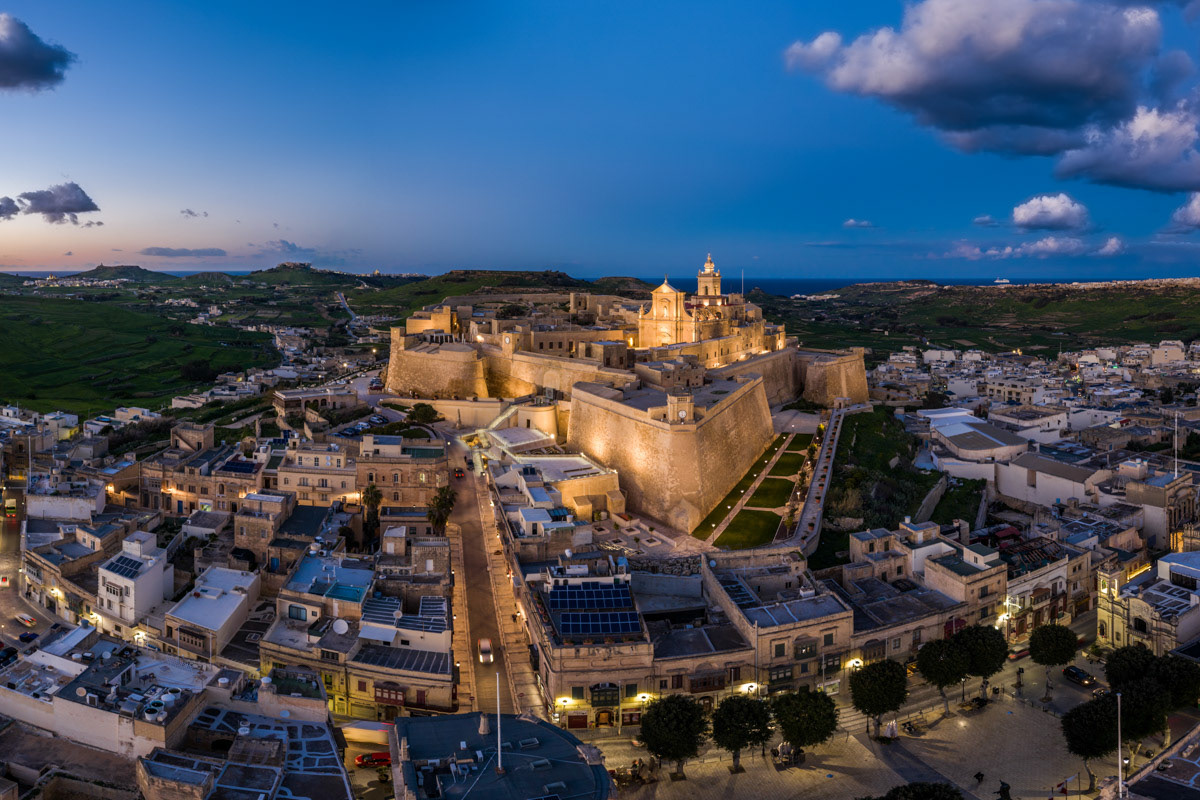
(478, 588)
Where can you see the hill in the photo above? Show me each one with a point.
(298, 273)
(1041, 318)
(128, 272)
(9, 279)
(418, 294)
(207, 279)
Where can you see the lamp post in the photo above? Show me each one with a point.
(1120, 761)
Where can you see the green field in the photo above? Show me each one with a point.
(800, 443)
(788, 464)
(771, 493)
(88, 357)
(706, 526)
(749, 529)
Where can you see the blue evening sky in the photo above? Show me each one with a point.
(597, 138)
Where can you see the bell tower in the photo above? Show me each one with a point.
(708, 280)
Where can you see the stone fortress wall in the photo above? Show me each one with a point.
(829, 375)
(673, 472)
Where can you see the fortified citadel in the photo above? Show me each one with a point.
(673, 393)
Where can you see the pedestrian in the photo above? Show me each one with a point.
(978, 778)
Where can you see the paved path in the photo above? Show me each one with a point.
(780, 449)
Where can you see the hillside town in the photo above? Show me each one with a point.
(380, 549)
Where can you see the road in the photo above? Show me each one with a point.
(11, 601)
(478, 587)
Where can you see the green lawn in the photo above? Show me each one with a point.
(771, 493)
(90, 356)
(788, 464)
(800, 442)
(749, 529)
(959, 502)
(706, 526)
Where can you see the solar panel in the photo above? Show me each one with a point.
(244, 467)
(124, 566)
(603, 623)
(590, 597)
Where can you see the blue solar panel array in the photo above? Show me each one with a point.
(602, 623)
(596, 596)
(238, 466)
(125, 566)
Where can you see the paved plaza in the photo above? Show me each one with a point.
(1008, 741)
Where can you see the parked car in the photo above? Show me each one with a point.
(373, 760)
(27, 636)
(1099, 691)
(7, 656)
(1080, 676)
(26, 620)
(485, 651)
(4, 582)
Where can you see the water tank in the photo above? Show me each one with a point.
(107, 655)
(222, 682)
(340, 626)
(567, 552)
(243, 731)
(266, 681)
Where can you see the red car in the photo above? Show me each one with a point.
(373, 760)
(458, 473)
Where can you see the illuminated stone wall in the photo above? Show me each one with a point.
(675, 473)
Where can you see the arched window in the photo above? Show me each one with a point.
(1102, 630)
(396, 497)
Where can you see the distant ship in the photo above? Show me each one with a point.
(1001, 281)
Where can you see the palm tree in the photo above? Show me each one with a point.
(440, 507)
(371, 498)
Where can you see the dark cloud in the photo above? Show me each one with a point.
(58, 204)
(8, 208)
(93, 224)
(68, 253)
(187, 212)
(286, 248)
(26, 62)
(182, 252)
(1086, 80)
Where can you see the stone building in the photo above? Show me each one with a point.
(319, 473)
(407, 471)
(1160, 608)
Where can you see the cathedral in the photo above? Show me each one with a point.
(675, 318)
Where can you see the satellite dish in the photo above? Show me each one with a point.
(340, 626)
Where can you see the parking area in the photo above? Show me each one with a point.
(365, 780)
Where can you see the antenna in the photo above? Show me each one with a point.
(1176, 443)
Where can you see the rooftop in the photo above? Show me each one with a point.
(218, 593)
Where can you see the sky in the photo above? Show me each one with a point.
(937, 138)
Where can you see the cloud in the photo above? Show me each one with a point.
(1152, 150)
(1051, 212)
(1112, 247)
(182, 252)
(1187, 217)
(117, 250)
(858, 223)
(187, 212)
(1042, 248)
(93, 224)
(8, 208)
(68, 253)
(26, 62)
(286, 248)
(985, 221)
(1086, 80)
(58, 204)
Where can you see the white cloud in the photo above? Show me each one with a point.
(985, 221)
(1153, 150)
(1042, 248)
(1187, 217)
(857, 223)
(1113, 247)
(1051, 212)
(814, 54)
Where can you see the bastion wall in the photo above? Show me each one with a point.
(675, 473)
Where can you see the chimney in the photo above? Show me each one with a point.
(484, 728)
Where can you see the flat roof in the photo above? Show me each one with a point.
(214, 598)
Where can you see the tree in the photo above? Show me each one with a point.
(1052, 645)
(371, 497)
(1091, 732)
(423, 413)
(1126, 665)
(805, 719)
(739, 722)
(1144, 706)
(986, 651)
(673, 728)
(440, 507)
(943, 662)
(879, 689)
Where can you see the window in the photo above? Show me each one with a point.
(362, 686)
(1139, 625)
(805, 649)
(676, 681)
(707, 683)
(896, 643)
(983, 591)
(343, 484)
(828, 640)
(330, 655)
(631, 690)
(606, 696)
(662, 684)
(804, 668)
(780, 649)
(779, 674)
(298, 612)
(286, 481)
(370, 477)
(1103, 630)
(576, 692)
(395, 477)
(735, 674)
(395, 496)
